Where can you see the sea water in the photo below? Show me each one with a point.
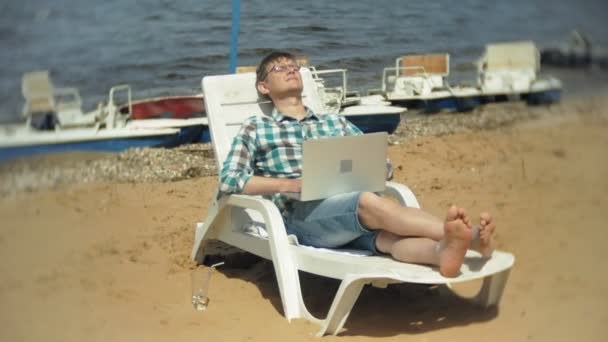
(167, 48)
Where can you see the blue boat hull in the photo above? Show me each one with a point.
(449, 104)
(376, 122)
(543, 97)
(465, 104)
(186, 135)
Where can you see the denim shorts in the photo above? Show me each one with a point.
(330, 223)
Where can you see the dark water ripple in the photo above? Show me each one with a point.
(164, 47)
(308, 29)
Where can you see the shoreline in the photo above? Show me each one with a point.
(197, 160)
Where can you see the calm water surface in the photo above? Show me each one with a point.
(165, 47)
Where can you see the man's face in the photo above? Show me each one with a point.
(282, 78)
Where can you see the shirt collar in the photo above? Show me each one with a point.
(279, 117)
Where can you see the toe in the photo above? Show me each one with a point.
(491, 227)
(462, 213)
(485, 217)
(452, 213)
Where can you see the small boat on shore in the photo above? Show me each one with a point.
(512, 70)
(171, 111)
(505, 71)
(420, 82)
(370, 113)
(577, 51)
(54, 121)
(373, 118)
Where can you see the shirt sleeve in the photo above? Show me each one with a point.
(238, 166)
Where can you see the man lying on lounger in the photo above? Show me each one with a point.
(265, 159)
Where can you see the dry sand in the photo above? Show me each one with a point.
(110, 262)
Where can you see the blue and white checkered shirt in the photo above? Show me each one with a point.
(271, 146)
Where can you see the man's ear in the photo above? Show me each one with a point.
(263, 88)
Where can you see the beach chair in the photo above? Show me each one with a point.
(255, 225)
(42, 99)
(37, 90)
(508, 68)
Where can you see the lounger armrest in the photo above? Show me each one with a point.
(402, 193)
(209, 229)
(272, 217)
(252, 202)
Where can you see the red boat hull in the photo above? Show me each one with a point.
(178, 107)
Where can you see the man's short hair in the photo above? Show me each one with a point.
(261, 72)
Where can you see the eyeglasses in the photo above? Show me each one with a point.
(282, 68)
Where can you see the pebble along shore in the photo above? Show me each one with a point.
(197, 160)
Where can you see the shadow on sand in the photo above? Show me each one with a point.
(399, 309)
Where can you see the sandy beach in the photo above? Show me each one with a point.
(109, 260)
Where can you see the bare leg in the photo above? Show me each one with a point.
(483, 235)
(448, 253)
(376, 212)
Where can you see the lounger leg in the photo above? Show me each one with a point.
(201, 231)
(342, 305)
(491, 289)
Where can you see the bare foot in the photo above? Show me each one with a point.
(484, 241)
(456, 241)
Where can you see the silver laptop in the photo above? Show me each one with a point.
(332, 166)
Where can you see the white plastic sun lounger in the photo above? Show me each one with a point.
(229, 100)
(42, 97)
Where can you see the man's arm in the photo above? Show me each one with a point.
(237, 171)
(265, 185)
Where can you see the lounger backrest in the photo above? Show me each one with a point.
(230, 99)
(512, 56)
(436, 64)
(38, 92)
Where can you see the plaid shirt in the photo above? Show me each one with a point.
(271, 146)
